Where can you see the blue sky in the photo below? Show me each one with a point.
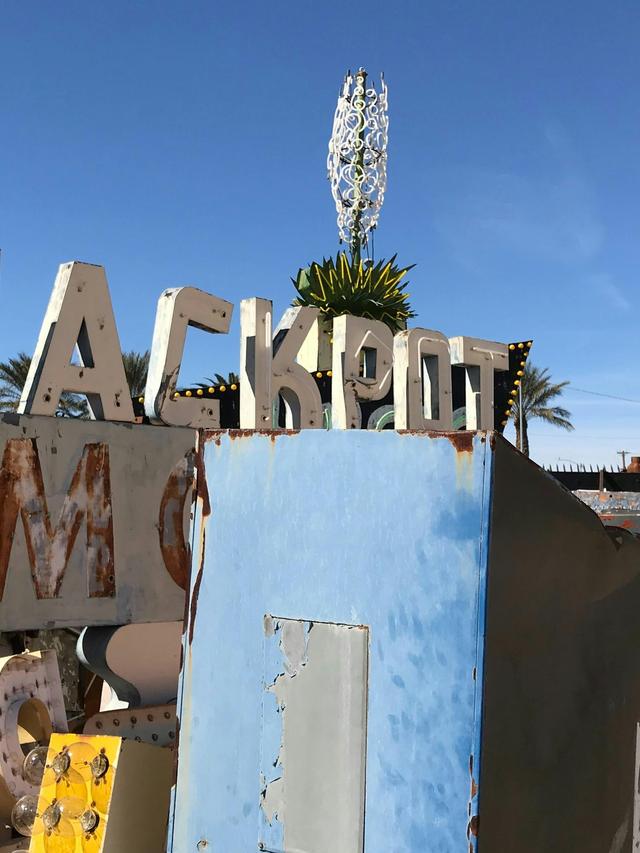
(185, 143)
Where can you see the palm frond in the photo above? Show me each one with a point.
(136, 367)
(538, 392)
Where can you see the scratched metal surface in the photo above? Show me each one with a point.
(93, 520)
(382, 529)
(619, 509)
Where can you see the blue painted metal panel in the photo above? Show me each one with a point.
(383, 529)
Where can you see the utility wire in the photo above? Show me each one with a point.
(602, 394)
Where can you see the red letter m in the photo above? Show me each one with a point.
(48, 548)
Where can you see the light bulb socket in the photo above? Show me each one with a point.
(89, 820)
(61, 763)
(51, 817)
(99, 766)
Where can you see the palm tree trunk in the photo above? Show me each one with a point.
(517, 426)
(525, 437)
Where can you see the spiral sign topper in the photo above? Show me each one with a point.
(357, 161)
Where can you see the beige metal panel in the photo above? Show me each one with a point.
(94, 524)
(139, 807)
(315, 786)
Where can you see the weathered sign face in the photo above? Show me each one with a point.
(366, 363)
(93, 522)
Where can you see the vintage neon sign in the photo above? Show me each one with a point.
(368, 361)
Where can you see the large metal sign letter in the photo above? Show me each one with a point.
(480, 359)
(422, 380)
(362, 367)
(178, 308)
(22, 493)
(289, 379)
(79, 313)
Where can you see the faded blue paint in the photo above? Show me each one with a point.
(374, 528)
(271, 834)
(481, 618)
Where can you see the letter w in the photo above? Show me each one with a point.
(89, 498)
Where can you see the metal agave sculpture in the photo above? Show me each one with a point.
(352, 286)
(357, 171)
(357, 161)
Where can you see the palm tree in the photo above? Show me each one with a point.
(538, 391)
(13, 375)
(136, 367)
(218, 379)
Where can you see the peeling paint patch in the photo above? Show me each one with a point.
(193, 604)
(314, 737)
(202, 490)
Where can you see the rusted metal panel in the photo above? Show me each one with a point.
(92, 529)
(382, 530)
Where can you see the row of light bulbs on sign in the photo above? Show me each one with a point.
(79, 780)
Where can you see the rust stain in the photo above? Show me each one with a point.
(176, 552)
(202, 490)
(461, 440)
(272, 434)
(472, 826)
(175, 753)
(22, 492)
(101, 579)
(193, 606)
(9, 475)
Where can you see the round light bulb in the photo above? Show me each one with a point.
(72, 787)
(81, 754)
(24, 816)
(72, 807)
(34, 765)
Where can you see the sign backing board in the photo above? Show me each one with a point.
(94, 522)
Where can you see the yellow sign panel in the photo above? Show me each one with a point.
(76, 790)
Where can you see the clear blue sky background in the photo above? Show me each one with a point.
(185, 143)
